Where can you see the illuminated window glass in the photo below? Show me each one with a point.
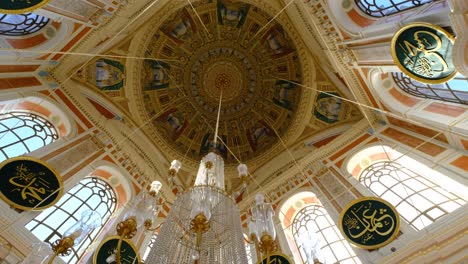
(22, 133)
(455, 90)
(89, 194)
(332, 247)
(21, 24)
(150, 246)
(417, 199)
(381, 8)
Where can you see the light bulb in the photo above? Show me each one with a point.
(175, 167)
(195, 255)
(243, 170)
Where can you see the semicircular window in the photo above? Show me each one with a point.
(22, 132)
(314, 227)
(89, 194)
(419, 200)
(21, 24)
(455, 90)
(381, 8)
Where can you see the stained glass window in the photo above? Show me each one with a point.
(313, 221)
(22, 132)
(417, 199)
(381, 8)
(455, 90)
(89, 194)
(21, 24)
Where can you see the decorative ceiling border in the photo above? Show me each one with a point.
(142, 41)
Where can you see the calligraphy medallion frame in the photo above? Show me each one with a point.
(272, 256)
(389, 239)
(413, 75)
(124, 242)
(52, 172)
(24, 10)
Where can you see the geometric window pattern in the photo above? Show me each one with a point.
(22, 132)
(455, 90)
(89, 194)
(21, 24)
(381, 8)
(333, 247)
(418, 200)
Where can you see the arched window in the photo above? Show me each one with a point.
(313, 221)
(455, 90)
(418, 200)
(22, 132)
(89, 194)
(307, 223)
(21, 24)
(381, 8)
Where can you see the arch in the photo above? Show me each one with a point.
(381, 8)
(455, 90)
(446, 115)
(294, 214)
(116, 178)
(419, 193)
(21, 24)
(23, 132)
(91, 193)
(358, 24)
(42, 106)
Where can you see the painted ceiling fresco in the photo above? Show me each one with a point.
(257, 71)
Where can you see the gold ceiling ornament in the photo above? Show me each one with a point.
(246, 62)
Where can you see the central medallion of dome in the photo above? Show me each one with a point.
(231, 47)
(222, 76)
(222, 66)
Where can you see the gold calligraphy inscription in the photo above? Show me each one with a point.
(29, 184)
(427, 44)
(367, 222)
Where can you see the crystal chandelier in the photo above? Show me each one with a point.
(203, 225)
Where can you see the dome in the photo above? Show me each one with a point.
(229, 46)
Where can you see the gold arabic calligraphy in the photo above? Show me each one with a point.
(29, 184)
(431, 62)
(371, 222)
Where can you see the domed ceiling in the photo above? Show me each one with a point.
(227, 46)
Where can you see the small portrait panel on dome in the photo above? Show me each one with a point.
(173, 122)
(109, 74)
(156, 75)
(284, 94)
(259, 133)
(277, 42)
(328, 108)
(232, 13)
(180, 27)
